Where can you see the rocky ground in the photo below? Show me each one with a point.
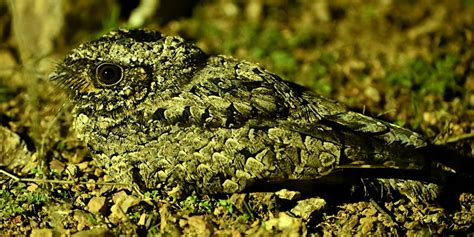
(407, 62)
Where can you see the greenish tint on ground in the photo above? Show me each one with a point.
(409, 62)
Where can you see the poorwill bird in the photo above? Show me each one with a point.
(159, 113)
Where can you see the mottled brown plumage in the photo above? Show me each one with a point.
(157, 112)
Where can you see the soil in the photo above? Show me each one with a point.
(407, 62)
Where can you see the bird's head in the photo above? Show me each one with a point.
(122, 68)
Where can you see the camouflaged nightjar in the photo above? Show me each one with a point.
(157, 112)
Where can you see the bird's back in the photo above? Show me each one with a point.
(235, 124)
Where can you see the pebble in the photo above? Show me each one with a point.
(96, 205)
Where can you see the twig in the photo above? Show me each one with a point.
(382, 210)
(18, 179)
(386, 112)
(459, 138)
(9, 175)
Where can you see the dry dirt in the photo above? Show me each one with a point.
(408, 62)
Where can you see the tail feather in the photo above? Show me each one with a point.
(447, 174)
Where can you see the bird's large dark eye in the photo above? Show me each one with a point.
(109, 74)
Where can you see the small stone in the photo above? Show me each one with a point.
(82, 219)
(83, 165)
(97, 232)
(98, 172)
(57, 166)
(91, 184)
(198, 226)
(71, 170)
(288, 194)
(430, 118)
(129, 201)
(142, 220)
(305, 208)
(14, 153)
(116, 216)
(96, 205)
(106, 188)
(32, 187)
(119, 196)
(42, 233)
(372, 93)
(122, 202)
(367, 224)
(351, 223)
(284, 222)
